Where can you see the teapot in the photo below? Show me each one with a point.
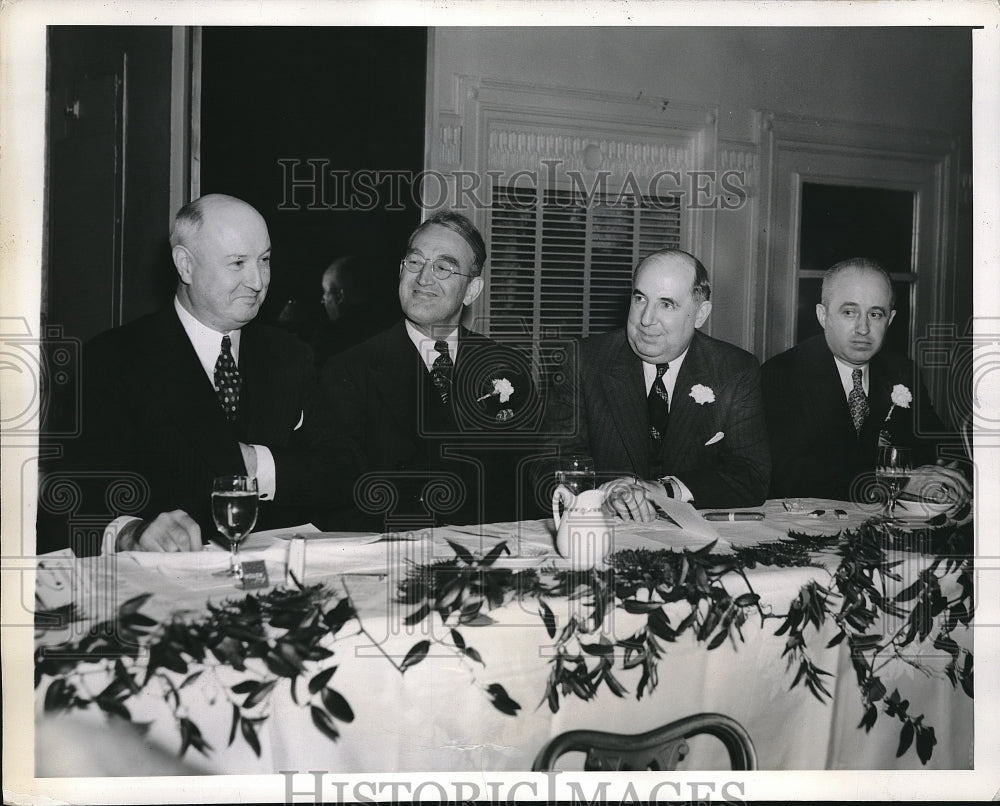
(583, 530)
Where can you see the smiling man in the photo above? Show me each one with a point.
(199, 390)
(828, 399)
(437, 407)
(661, 402)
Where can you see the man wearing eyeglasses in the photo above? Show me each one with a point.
(436, 406)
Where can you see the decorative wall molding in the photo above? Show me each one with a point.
(450, 143)
(734, 156)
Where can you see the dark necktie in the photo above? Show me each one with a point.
(857, 401)
(228, 381)
(441, 371)
(659, 408)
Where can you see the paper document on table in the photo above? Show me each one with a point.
(255, 541)
(688, 530)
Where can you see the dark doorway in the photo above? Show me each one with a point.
(321, 129)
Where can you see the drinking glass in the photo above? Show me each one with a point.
(893, 466)
(576, 471)
(234, 508)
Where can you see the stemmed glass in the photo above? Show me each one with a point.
(234, 508)
(893, 466)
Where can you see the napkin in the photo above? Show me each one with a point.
(688, 530)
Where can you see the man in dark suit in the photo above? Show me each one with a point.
(437, 407)
(663, 403)
(199, 390)
(831, 399)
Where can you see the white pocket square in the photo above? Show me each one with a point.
(719, 435)
(302, 418)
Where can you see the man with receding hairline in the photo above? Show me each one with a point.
(200, 390)
(829, 400)
(661, 406)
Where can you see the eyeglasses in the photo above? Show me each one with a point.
(442, 269)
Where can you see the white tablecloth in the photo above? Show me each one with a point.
(436, 716)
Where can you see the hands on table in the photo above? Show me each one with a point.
(940, 482)
(168, 531)
(629, 498)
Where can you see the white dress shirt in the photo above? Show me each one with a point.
(425, 345)
(207, 345)
(680, 489)
(845, 370)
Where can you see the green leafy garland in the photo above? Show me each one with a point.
(290, 634)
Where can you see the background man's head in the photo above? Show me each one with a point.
(345, 286)
(857, 307)
(670, 299)
(441, 272)
(222, 252)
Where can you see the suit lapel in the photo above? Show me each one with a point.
(623, 386)
(396, 380)
(687, 416)
(175, 377)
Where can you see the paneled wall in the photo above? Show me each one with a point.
(726, 99)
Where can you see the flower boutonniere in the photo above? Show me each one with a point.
(900, 396)
(502, 389)
(702, 394)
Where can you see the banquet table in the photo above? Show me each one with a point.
(438, 713)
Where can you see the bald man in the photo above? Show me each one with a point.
(664, 406)
(200, 390)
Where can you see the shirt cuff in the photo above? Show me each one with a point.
(680, 490)
(266, 474)
(109, 544)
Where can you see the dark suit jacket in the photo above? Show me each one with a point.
(814, 447)
(151, 419)
(601, 411)
(468, 451)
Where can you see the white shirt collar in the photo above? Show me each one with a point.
(845, 370)
(425, 345)
(207, 342)
(669, 377)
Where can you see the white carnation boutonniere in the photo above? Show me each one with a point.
(900, 396)
(502, 389)
(702, 394)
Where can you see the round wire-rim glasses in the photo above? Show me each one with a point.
(442, 269)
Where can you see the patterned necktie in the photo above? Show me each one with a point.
(441, 370)
(857, 401)
(228, 381)
(658, 404)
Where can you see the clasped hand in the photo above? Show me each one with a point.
(940, 483)
(630, 498)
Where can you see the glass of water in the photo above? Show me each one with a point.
(576, 471)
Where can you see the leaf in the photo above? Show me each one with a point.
(463, 553)
(660, 625)
(600, 650)
(615, 686)
(416, 654)
(635, 606)
(458, 640)
(472, 653)
(476, 620)
(501, 700)
(318, 681)
(337, 705)
(719, 639)
(418, 615)
(259, 693)
(338, 616)
(840, 636)
(245, 687)
(322, 720)
(746, 600)
(56, 695)
(187, 680)
(548, 618)
(129, 607)
(235, 723)
(495, 552)
(905, 738)
(925, 743)
(250, 735)
(868, 720)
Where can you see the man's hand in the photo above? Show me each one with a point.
(168, 531)
(940, 483)
(628, 499)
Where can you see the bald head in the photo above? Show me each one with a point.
(222, 252)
